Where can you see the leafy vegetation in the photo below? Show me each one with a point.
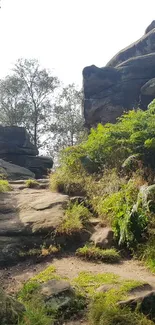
(4, 186)
(98, 254)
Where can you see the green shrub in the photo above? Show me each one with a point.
(128, 221)
(32, 183)
(76, 216)
(4, 186)
(101, 314)
(96, 253)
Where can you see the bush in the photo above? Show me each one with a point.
(76, 216)
(128, 221)
(4, 186)
(32, 183)
(112, 315)
(98, 254)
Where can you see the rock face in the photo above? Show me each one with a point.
(124, 83)
(16, 148)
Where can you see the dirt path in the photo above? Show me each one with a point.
(14, 277)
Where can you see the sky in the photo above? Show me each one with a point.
(67, 35)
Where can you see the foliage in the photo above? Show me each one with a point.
(76, 215)
(4, 186)
(36, 314)
(31, 183)
(128, 222)
(109, 145)
(67, 123)
(98, 254)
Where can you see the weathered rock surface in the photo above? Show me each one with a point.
(126, 82)
(16, 148)
(28, 218)
(103, 237)
(58, 293)
(145, 304)
(12, 171)
(10, 309)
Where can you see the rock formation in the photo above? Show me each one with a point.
(16, 148)
(126, 82)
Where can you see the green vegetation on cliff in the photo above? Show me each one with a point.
(114, 169)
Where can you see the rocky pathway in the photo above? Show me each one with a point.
(41, 202)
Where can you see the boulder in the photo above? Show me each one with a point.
(14, 139)
(119, 87)
(10, 309)
(39, 165)
(30, 218)
(103, 237)
(58, 293)
(14, 172)
(16, 148)
(145, 304)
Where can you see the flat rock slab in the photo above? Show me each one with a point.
(27, 219)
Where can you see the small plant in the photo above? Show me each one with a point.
(32, 183)
(76, 216)
(36, 314)
(4, 186)
(96, 253)
(46, 275)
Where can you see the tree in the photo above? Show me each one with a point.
(29, 99)
(11, 102)
(67, 121)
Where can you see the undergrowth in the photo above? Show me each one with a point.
(76, 216)
(4, 186)
(31, 183)
(98, 254)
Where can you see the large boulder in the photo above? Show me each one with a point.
(14, 172)
(14, 139)
(16, 148)
(123, 84)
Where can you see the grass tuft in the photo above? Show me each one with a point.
(32, 183)
(76, 216)
(4, 186)
(98, 254)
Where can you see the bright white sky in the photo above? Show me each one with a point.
(67, 35)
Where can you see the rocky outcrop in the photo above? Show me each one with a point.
(126, 82)
(16, 148)
(11, 171)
